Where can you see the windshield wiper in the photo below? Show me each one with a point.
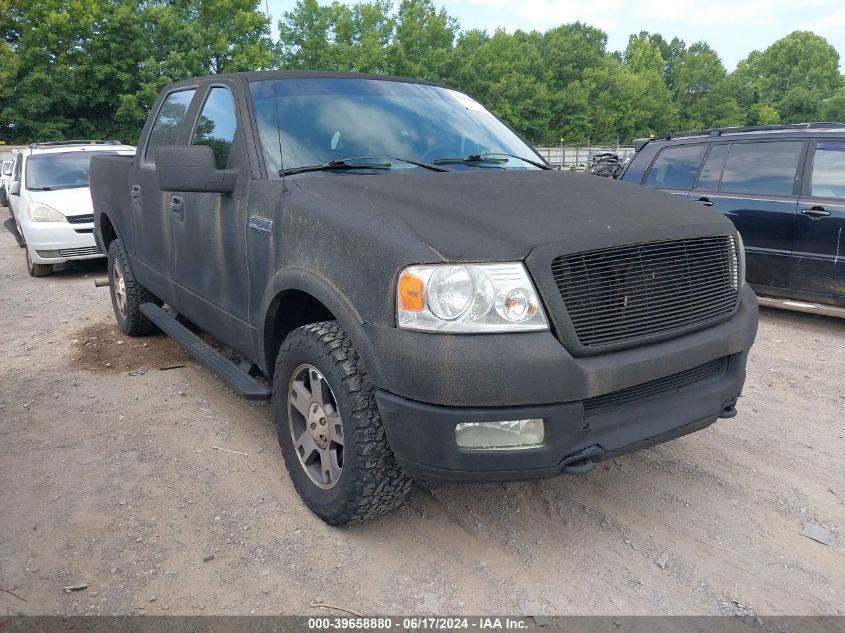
(333, 165)
(488, 158)
(40, 188)
(351, 163)
(418, 163)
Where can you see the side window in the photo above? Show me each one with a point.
(829, 170)
(166, 128)
(711, 173)
(217, 125)
(762, 168)
(676, 167)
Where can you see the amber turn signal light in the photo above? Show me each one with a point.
(411, 293)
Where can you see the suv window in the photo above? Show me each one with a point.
(217, 125)
(711, 173)
(762, 168)
(169, 121)
(829, 170)
(676, 167)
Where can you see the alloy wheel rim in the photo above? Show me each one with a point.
(119, 284)
(316, 427)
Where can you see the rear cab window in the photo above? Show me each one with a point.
(169, 122)
(676, 167)
(828, 171)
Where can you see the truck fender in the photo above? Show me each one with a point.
(297, 279)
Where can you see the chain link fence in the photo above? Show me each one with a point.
(578, 158)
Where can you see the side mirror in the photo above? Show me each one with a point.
(15, 188)
(192, 168)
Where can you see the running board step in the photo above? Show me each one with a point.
(228, 371)
(801, 306)
(13, 229)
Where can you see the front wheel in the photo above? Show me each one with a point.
(330, 430)
(37, 270)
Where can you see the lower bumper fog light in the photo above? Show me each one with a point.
(493, 435)
(49, 254)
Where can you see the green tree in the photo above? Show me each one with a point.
(422, 42)
(763, 114)
(701, 91)
(793, 75)
(833, 109)
(92, 68)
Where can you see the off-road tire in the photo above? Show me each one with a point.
(134, 322)
(371, 483)
(37, 270)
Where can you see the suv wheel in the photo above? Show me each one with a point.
(127, 295)
(330, 430)
(37, 270)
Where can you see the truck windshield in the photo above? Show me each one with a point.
(67, 170)
(319, 120)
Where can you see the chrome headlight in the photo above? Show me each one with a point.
(38, 212)
(468, 298)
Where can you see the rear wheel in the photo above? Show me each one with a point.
(127, 295)
(37, 270)
(330, 430)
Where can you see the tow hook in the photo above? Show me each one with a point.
(729, 410)
(581, 467)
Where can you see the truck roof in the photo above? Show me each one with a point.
(262, 75)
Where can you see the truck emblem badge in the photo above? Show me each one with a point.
(262, 225)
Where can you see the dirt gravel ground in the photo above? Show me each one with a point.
(109, 479)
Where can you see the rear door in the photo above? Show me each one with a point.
(818, 262)
(152, 252)
(756, 185)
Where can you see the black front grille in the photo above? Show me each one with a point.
(708, 372)
(625, 293)
(81, 219)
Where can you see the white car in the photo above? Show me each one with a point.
(51, 202)
(5, 178)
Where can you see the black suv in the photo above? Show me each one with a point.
(782, 186)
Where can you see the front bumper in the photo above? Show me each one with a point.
(437, 381)
(72, 241)
(422, 436)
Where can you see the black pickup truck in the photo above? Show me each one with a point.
(418, 292)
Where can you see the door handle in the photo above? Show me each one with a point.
(177, 207)
(815, 212)
(707, 202)
(135, 192)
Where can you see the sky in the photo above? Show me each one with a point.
(732, 27)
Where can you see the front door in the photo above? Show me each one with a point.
(818, 263)
(209, 229)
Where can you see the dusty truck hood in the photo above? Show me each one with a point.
(504, 215)
(66, 201)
